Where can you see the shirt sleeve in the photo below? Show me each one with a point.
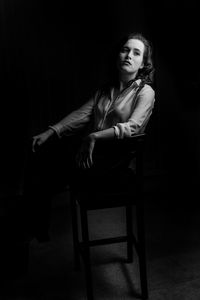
(139, 116)
(75, 120)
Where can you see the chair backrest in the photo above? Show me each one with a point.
(118, 153)
(112, 178)
(113, 157)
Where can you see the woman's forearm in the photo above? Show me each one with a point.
(103, 134)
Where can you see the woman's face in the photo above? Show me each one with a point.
(131, 57)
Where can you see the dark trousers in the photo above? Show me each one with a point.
(47, 173)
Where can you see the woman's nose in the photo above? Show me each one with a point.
(129, 54)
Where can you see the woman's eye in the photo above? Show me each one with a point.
(124, 50)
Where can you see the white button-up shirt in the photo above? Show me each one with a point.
(128, 113)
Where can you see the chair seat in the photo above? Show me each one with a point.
(91, 201)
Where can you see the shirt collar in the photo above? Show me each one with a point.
(134, 83)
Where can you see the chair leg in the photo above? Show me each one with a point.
(129, 232)
(86, 253)
(142, 252)
(75, 232)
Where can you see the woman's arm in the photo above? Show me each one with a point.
(140, 115)
(75, 121)
(41, 138)
(103, 134)
(84, 157)
(67, 126)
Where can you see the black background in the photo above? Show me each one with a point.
(53, 56)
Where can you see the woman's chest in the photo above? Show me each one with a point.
(117, 104)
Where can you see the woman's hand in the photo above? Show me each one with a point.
(84, 157)
(40, 139)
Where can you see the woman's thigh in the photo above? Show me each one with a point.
(50, 168)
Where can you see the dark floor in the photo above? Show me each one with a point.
(173, 252)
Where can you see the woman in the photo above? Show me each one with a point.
(119, 109)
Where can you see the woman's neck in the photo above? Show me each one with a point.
(124, 80)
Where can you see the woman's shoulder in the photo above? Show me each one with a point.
(147, 89)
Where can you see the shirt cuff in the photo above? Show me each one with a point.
(117, 132)
(54, 128)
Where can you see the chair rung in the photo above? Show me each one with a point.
(119, 239)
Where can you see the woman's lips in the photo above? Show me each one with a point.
(126, 62)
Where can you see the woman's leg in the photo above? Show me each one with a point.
(47, 173)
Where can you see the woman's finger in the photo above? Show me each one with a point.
(90, 160)
(85, 161)
(81, 163)
(33, 145)
(88, 163)
(78, 159)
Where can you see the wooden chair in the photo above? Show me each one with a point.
(126, 194)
